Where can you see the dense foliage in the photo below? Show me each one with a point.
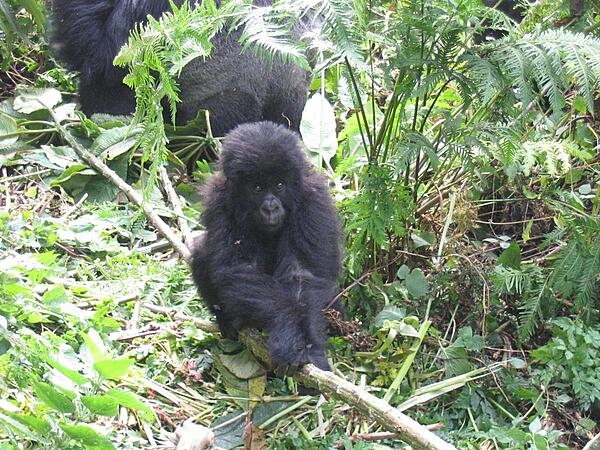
(463, 151)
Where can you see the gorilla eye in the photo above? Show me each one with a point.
(279, 186)
(258, 188)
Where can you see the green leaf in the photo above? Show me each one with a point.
(87, 436)
(243, 365)
(132, 401)
(73, 375)
(389, 312)
(422, 238)
(517, 363)
(8, 130)
(37, 99)
(75, 169)
(402, 272)
(54, 399)
(113, 369)
(511, 256)
(95, 345)
(101, 405)
(416, 283)
(55, 295)
(38, 425)
(115, 142)
(318, 127)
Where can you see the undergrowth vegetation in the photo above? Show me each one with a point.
(466, 171)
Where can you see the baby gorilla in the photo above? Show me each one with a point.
(270, 258)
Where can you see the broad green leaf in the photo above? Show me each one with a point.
(102, 405)
(37, 99)
(115, 141)
(517, 363)
(75, 169)
(391, 313)
(402, 272)
(422, 238)
(511, 256)
(536, 425)
(38, 425)
(8, 130)
(55, 295)
(53, 398)
(416, 283)
(113, 369)
(243, 365)
(88, 437)
(95, 345)
(14, 290)
(73, 375)
(318, 127)
(132, 401)
(229, 429)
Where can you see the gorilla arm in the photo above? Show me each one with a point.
(243, 297)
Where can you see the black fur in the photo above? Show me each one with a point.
(235, 87)
(270, 257)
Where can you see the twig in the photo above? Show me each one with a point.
(205, 325)
(186, 233)
(373, 407)
(593, 444)
(131, 194)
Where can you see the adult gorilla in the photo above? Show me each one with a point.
(235, 87)
(270, 257)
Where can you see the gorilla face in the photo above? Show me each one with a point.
(267, 200)
(265, 168)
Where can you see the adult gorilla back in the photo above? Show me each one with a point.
(235, 86)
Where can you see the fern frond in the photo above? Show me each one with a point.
(268, 32)
(486, 76)
(537, 299)
(551, 61)
(341, 21)
(576, 273)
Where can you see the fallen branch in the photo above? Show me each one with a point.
(131, 193)
(373, 407)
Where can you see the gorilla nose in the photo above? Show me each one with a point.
(272, 211)
(270, 206)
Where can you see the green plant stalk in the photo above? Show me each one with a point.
(360, 107)
(302, 429)
(408, 361)
(284, 412)
(431, 391)
(447, 223)
(502, 409)
(473, 421)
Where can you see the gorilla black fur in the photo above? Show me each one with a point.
(270, 257)
(235, 87)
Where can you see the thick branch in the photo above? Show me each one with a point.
(131, 193)
(373, 407)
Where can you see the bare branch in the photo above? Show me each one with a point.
(410, 431)
(131, 193)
